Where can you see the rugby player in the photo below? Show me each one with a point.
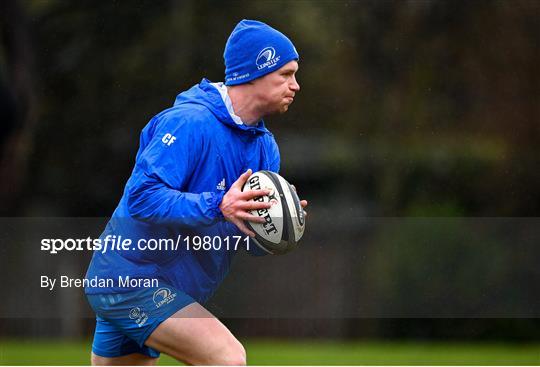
(192, 162)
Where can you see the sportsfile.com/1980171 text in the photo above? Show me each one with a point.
(119, 243)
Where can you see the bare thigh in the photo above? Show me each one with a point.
(135, 359)
(195, 336)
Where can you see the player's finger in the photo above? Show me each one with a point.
(251, 218)
(303, 203)
(255, 205)
(250, 194)
(241, 226)
(242, 179)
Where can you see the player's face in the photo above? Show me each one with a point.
(276, 90)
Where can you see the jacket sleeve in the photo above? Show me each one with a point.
(169, 154)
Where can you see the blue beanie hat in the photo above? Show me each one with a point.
(255, 49)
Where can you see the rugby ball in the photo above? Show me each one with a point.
(284, 222)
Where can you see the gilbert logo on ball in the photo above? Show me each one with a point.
(284, 222)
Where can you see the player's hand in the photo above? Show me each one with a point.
(236, 205)
(302, 202)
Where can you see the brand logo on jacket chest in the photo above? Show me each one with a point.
(221, 185)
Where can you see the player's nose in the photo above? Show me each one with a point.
(295, 86)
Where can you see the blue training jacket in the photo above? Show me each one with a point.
(189, 156)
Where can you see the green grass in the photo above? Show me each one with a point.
(292, 352)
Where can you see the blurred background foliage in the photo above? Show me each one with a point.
(407, 109)
(418, 107)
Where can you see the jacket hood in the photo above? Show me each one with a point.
(207, 95)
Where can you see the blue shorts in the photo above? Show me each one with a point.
(126, 320)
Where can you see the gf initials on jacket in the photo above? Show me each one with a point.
(168, 139)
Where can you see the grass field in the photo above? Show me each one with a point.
(266, 352)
